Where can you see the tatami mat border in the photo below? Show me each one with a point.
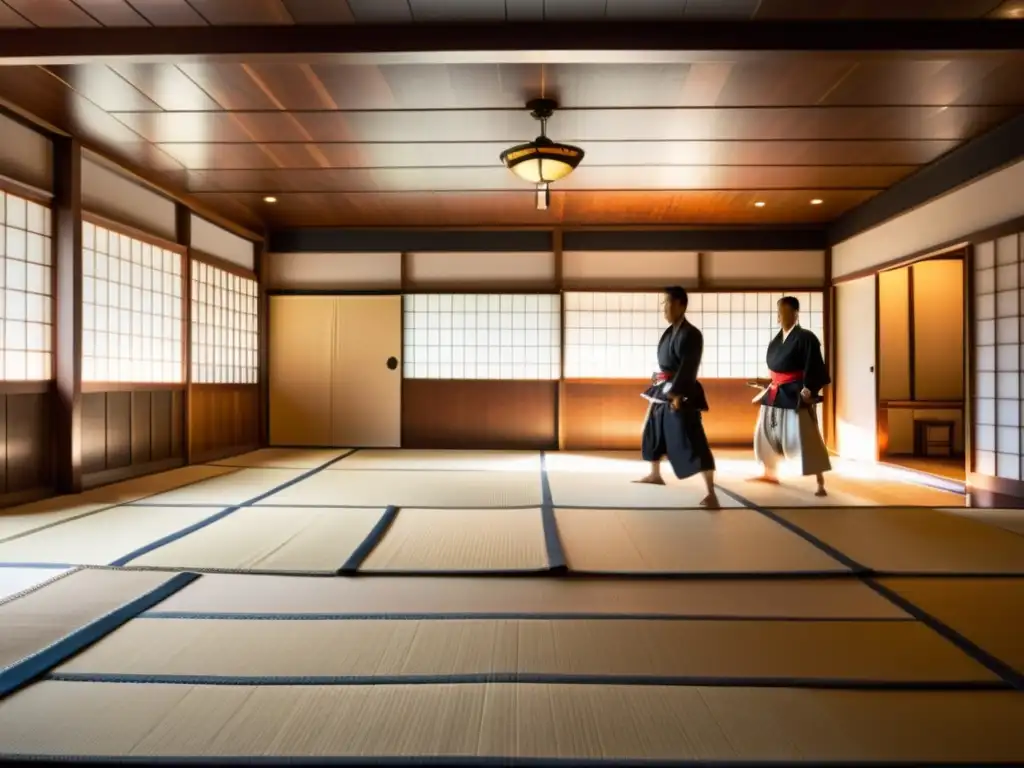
(144, 550)
(552, 540)
(64, 573)
(373, 538)
(38, 664)
(531, 678)
(978, 654)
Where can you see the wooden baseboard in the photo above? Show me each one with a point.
(108, 476)
(216, 454)
(25, 497)
(998, 486)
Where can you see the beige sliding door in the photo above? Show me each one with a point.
(330, 381)
(367, 393)
(856, 400)
(301, 351)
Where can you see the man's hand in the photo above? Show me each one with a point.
(805, 393)
(675, 400)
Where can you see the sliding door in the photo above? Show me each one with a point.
(335, 373)
(856, 401)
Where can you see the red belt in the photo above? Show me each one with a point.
(778, 379)
(661, 377)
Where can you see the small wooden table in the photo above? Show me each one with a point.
(932, 434)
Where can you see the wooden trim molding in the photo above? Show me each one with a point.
(948, 250)
(332, 240)
(26, 191)
(26, 387)
(134, 232)
(921, 405)
(131, 386)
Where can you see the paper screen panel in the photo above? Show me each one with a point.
(26, 290)
(131, 309)
(224, 326)
(482, 336)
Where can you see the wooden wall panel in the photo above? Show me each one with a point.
(224, 420)
(608, 414)
(26, 447)
(479, 414)
(129, 433)
(25, 155)
(108, 192)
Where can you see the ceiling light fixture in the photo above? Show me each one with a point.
(817, 201)
(269, 199)
(759, 204)
(542, 161)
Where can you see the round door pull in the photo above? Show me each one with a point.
(392, 363)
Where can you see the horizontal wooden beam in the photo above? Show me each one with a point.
(536, 42)
(989, 152)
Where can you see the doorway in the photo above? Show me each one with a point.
(921, 376)
(335, 373)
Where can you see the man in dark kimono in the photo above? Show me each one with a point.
(674, 427)
(787, 426)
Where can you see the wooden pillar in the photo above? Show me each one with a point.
(262, 347)
(183, 236)
(556, 245)
(67, 246)
(828, 342)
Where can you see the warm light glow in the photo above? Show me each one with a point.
(542, 162)
(817, 201)
(759, 204)
(269, 199)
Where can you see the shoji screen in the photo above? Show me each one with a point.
(26, 294)
(482, 336)
(615, 335)
(997, 353)
(224, 326)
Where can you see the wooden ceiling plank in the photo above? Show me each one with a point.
(53, 13)
(457, 10)
(169, 13)
(113, 13)
(380, 11)
(661, 41)
(238, 12)
(105, 88)
(875, 9)
(320, 11)
(167, 86)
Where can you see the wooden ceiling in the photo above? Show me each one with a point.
(382, 145)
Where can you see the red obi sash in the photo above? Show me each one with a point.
(661, 377)
(778, 379)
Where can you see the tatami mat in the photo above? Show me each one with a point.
(988, 612)
(842, 492)
(531, 596)
(38, 620)
(102, 538)
(283, 458)
(462, 540)
(1007, 519)
(684, 541)
(235, 488)
(270, 538)
(617, 490)
(470, 490)
(893, 652)
(150, 485)
(15, 581)
(19, 521)
(882, 492)
(465, 461)
(567, 721)
(913, 540)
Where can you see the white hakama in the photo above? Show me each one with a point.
(785, 434)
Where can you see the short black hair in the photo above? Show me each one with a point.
(678, 293)
(790, 301)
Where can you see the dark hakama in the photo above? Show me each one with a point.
(679, 434)
(787, 427)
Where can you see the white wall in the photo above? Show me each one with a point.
(984, 203)
(333, 271)
(109, 193)
(217, 241)
(25, 155)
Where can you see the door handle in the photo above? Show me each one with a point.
(392, 363)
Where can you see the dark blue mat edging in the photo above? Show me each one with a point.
(373, 538)
(225, 616)
(463, 761)
(32, 667)
(153, 545)
(552, 541)
(528, 678)
(995, 665)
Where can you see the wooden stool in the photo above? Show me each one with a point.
(932, 435)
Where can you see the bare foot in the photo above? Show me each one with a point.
(710, 502)
(821, 492)
(764, 479)
(651, 480)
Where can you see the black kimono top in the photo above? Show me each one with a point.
(799, 353)
(679, 354)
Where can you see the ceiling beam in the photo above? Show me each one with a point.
(1002, 146)
(533, 42)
